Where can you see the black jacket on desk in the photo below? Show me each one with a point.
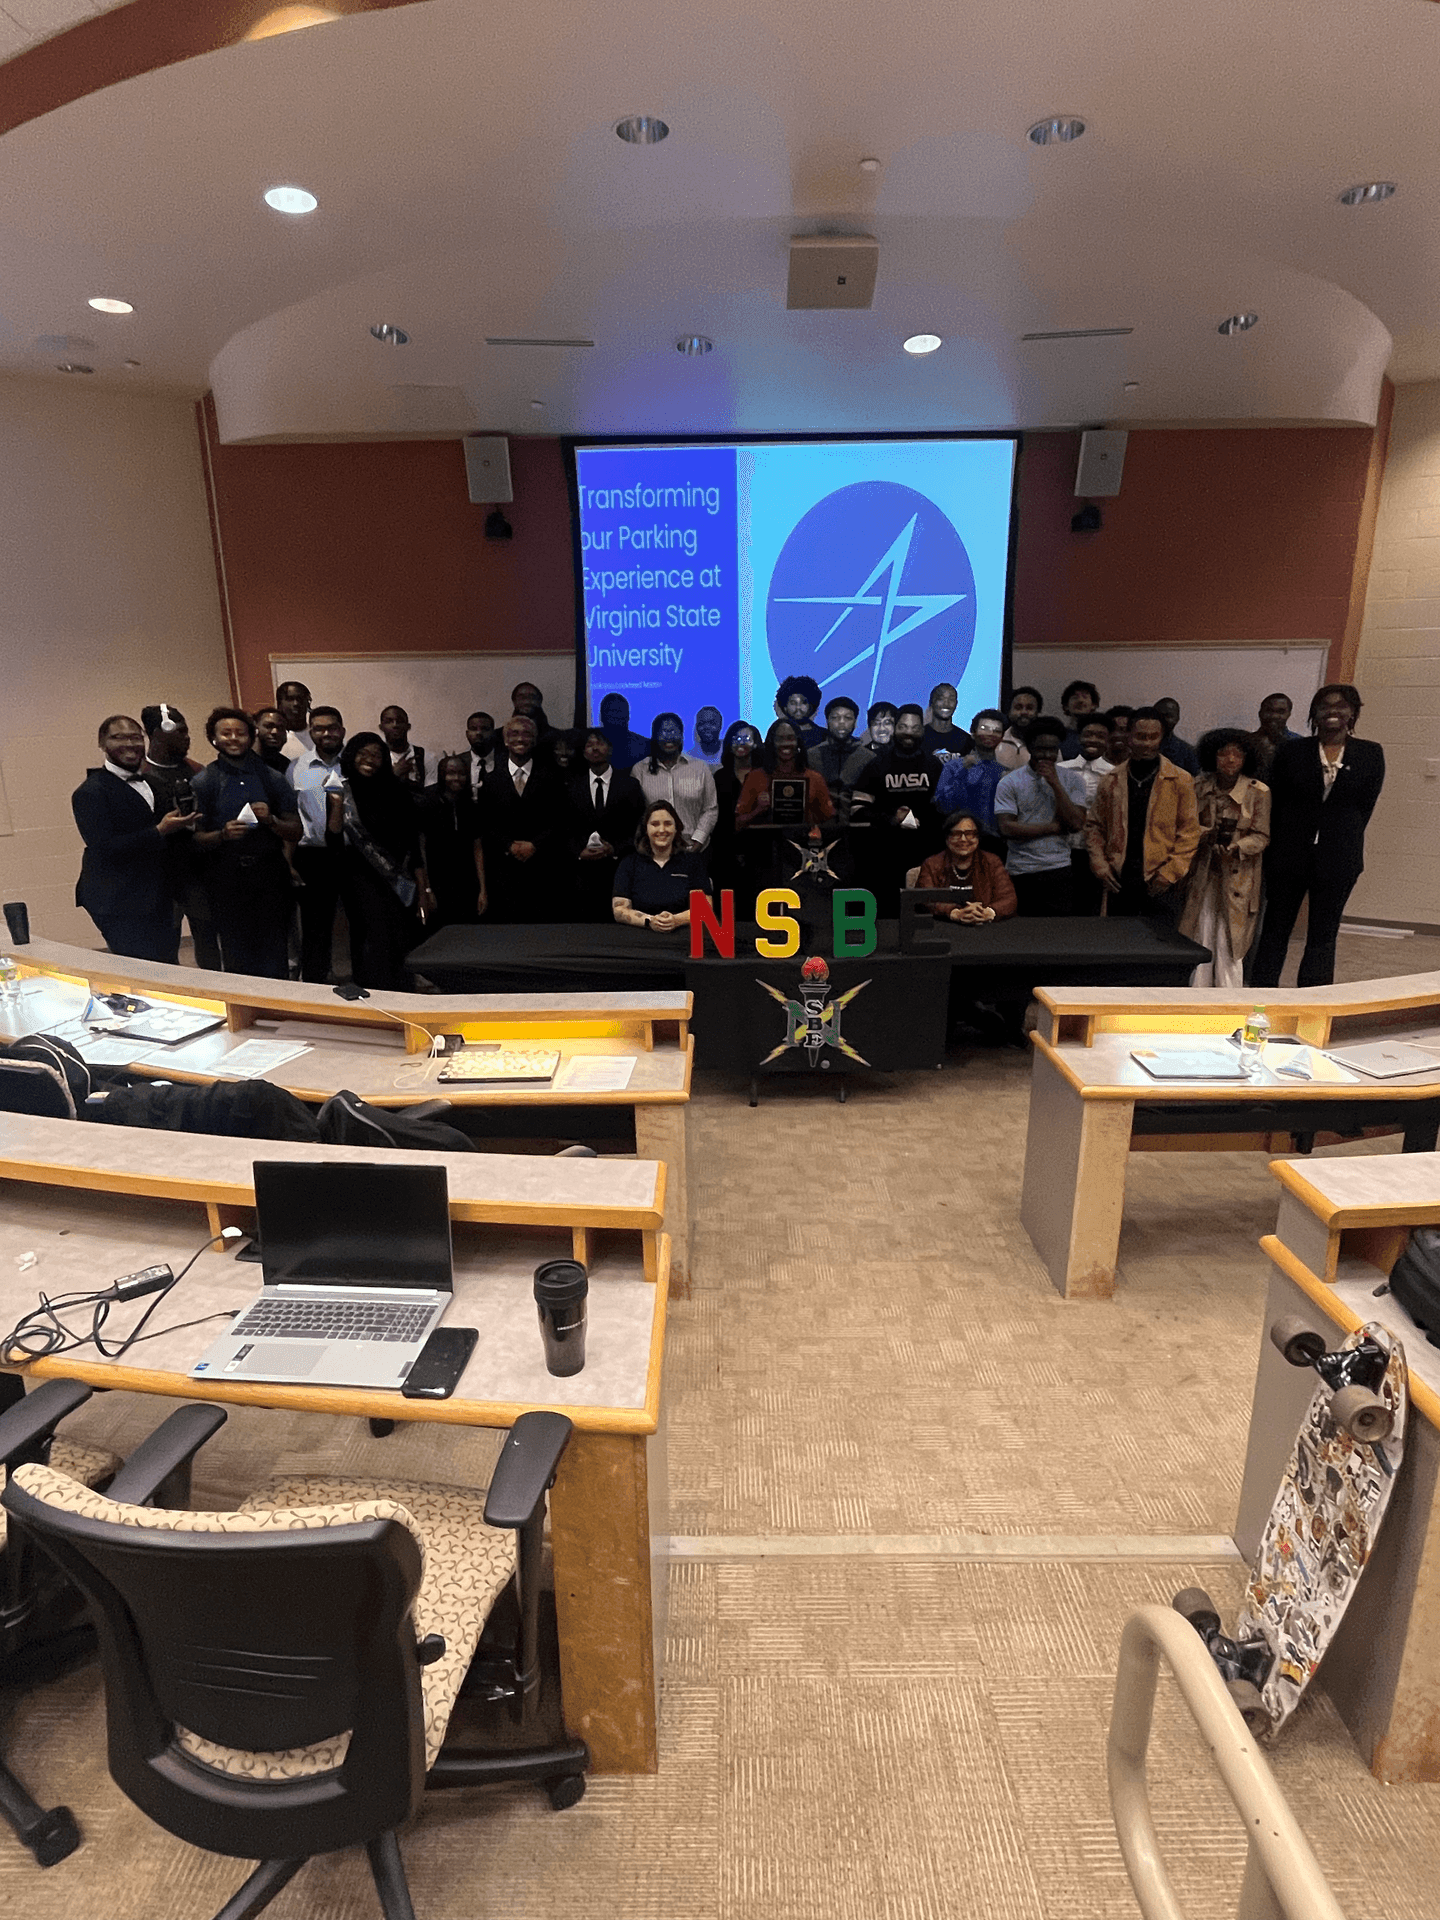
(125, 871)
(1300, 815)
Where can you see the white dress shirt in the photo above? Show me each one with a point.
(689, 786)
(141, 785)
(298, 744)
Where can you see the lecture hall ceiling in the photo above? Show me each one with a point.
(471, 186)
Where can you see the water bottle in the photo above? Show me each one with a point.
(1253, 1035)
(9, 978)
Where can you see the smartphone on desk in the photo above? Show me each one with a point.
(436, 1370)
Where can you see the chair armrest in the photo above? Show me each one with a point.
(166, 1456)
(525, 1469)
(429, 1109)
(26, 1426)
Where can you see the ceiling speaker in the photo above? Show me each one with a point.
(1102, 461)
(832, 270)
(487, 469)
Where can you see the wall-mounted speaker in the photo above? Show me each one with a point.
(832, 270)
(1102, 462)
(487, 469)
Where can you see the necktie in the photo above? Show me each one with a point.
(521, 775)
(599, 794)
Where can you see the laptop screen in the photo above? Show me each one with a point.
(324, 1223)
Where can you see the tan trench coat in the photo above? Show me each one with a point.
(1236, 873)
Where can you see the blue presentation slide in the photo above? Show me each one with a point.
(711, 572)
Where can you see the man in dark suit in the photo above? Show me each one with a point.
(125, 879)
(602, 810)
(1322, 793)
(520, 821)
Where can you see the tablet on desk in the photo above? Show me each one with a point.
(168, 1026)
(1200, 1063)
(500, 1066)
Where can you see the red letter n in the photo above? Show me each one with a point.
(703, 921)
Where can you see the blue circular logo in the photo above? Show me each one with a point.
(873, 594)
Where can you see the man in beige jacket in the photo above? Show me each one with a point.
(1143, 827)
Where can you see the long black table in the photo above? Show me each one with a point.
(1009, 954)
(895, 1013)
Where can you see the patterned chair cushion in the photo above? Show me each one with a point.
(466, 1568)
(88, 1465)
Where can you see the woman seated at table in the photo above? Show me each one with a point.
(1222, 901)
(654, 883)
(984, 887)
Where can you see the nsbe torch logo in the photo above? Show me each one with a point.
(873, 585)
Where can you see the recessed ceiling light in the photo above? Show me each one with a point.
(1132, 386)
(923, 343)
(72, 366)
(642, 130)
(1238, 323)
(132, 363)
(1057, 130)
(693, 344)
(389, 336)
(103, 304)
(1367, 194)
(291, 200)
(870, 164)
(537, 406)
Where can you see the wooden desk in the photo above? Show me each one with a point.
(1091, 1106)
(610, 1490)
(1326, 1016)
(1341, 1223)
(378, 1048)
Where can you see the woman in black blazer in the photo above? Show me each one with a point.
(1322, 794)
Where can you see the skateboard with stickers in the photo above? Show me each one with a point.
(1322, 1528)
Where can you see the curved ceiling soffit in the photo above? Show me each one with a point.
(130, 41)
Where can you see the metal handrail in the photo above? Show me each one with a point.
(1283, 1880)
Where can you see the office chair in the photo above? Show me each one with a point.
(43, 1629)
(280, 1680)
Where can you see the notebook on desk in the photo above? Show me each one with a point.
(497, 1065)
(1199, 1063)
(358, 1270)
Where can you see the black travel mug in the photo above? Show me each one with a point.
(561, 1287)
(17, 918)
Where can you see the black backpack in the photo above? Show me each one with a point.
(44, 1076)
(346, 1120)
(1415, 1281)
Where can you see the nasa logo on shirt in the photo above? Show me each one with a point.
(873, 591)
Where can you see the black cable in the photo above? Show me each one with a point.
(32, 1338)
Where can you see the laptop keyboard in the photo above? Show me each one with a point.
(333, 1320)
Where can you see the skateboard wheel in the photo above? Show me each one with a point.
(1198, 1608)
(1249, 1702)
(1302, 1346)
(1362, 1414)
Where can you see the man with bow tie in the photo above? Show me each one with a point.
(124, 882)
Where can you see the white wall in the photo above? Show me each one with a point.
(1398, 672)
(108, 601)
(1216, 686)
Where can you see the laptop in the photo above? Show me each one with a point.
(358, 1269)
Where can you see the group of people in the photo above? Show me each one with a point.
(1096, 812)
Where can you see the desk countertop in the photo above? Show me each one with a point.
(1403, 990)
(1106, 1071)
(85, 1240)
(1376, 1190)
(377, 1067)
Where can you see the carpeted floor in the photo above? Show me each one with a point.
(858, 1721)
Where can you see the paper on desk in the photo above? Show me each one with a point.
(596, 1073)
(101, 1050)
(252, 1058)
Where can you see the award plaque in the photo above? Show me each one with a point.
(787, 800)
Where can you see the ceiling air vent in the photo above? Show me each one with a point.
(1081, 333)
(507, 340)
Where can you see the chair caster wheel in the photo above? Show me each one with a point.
(53, 1837)
(567, 1791)
(381, 1429)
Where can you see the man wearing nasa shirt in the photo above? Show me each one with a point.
(901, 782)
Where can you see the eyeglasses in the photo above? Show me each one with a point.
(964, 833)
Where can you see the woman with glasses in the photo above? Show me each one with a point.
(982, 888)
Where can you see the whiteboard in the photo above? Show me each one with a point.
(1216, 686)
(439, 691)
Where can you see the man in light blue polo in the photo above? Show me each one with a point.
(1037, 808)
(315, 863)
